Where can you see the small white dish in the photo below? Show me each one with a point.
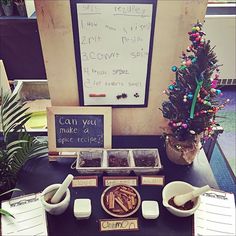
(82, 208)
(150, 210)
(58, 208)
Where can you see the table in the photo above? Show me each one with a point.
(39, 173)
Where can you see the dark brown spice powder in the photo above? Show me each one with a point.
(187, 206)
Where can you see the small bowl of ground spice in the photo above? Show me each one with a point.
(177, 188)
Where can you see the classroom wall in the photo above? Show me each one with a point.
(173, 20)
(221, 31)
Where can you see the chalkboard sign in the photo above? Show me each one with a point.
(113, 49)
(73, 128)
(79, 130)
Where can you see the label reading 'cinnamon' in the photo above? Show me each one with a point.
(119, 225)
(115, 180)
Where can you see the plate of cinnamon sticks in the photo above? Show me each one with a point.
(120, 200)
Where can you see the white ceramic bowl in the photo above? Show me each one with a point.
(58, 208)
(176, 188)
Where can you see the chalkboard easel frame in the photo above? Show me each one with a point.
(77, 49)
(52, 112)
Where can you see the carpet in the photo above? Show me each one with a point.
(227, 119)
(223, 175)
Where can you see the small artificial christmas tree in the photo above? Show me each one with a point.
(193, 104)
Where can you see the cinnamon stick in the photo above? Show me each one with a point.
(121, 205)
(128, 192)
(111, 200)
(129, 205)
(132, 200)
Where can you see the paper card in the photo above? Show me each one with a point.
(29, 216)
(152, 180)
(85, 181)
(129, 224)
(216, 214)
(114, 180)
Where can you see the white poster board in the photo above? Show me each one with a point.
(173, 20)
(115, 52)
(30, 8)
(4, 84)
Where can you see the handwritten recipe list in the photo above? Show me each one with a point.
(114, 48)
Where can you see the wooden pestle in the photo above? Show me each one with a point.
(180, 200)
(62, 190)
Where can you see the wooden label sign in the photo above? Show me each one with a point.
(152, 180)
(114, 180)
(85, 181)
(73, 128)
(129, 224)
(113, 48)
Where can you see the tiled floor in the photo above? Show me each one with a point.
(223, 159)
(222, 174)
(227, 119)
